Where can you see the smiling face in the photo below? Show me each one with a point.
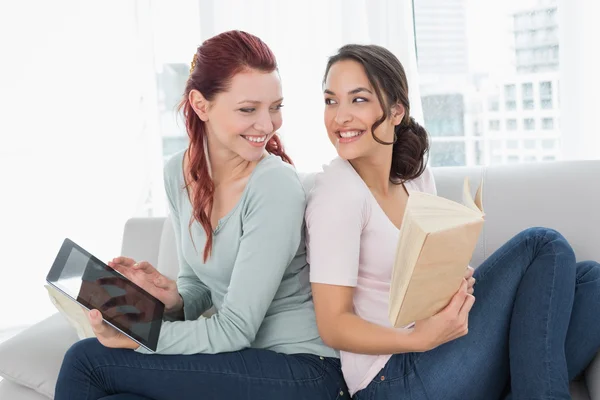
(242, 119)
(351, 109)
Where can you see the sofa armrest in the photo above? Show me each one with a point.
(141, 239)
(592, 378)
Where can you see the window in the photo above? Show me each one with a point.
(529, 124)
(512, 159)
(545, 90)
(547, 123)
(510, 105)
(510, 92)
(548, 144)
(527, 89)
(447, 154)
(493, 104)
(546, 104)
(496, 144)
(528, 105)
(511, 124)
(512, 144)
(549, 158)
(494, 125)
(529, 144)
(530, 158)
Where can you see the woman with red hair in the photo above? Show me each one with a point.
(237, 208)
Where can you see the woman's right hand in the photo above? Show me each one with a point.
(450, 323)
(148, 278)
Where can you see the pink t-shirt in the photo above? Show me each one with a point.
(352, 242)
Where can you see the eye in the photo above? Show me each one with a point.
(277, 107)
(330, 101)
(359, 100)
(247, 110)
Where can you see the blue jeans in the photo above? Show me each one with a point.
(532, 329)
(92, 371)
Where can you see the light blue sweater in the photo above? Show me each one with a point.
(257, 275)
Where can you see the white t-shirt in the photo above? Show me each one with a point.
(352, 242)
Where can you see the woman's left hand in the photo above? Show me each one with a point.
(107, 335)
(470, 279)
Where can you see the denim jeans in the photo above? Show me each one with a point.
(92, 371)
(532, 329)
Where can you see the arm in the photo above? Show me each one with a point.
(341, 329)
(272, 227)
(195, 295)
(335, 217)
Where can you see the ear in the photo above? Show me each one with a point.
(199, 104)
(397, 114)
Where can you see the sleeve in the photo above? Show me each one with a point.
(335, 217)
(272, 229)
(195, 294)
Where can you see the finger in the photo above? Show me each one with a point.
(469, 272)
(95, 319)
(458, 299)
(470, 291)
(163, 282)
(124, 261)
(144, 266)
(471, 282)
(466, 307)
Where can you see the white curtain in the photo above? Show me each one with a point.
(77, 148)
(579, 78)
(79, 138)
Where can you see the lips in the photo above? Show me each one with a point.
(256, 140)
(348, 136)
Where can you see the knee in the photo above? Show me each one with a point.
(541, 237)
(588, 271)
(80, 353)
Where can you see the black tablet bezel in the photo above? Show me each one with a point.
(56, 270)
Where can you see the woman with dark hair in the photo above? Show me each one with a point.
(237, 206)
(533, 327)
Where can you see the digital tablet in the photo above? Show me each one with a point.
(93, 284)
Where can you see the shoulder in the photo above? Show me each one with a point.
(173, 174)
(338, 178)
(338, 189)
(275, 179)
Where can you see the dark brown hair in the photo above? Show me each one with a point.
(386, 75)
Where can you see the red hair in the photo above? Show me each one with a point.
(216, 62)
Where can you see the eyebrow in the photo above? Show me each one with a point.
(258, 102)
(353, 91)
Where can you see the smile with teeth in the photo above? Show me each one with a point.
(349, 134)
(255, 139)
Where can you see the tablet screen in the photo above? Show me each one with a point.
(95, 285)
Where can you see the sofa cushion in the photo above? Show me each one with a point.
(13, 391)
(33, 357)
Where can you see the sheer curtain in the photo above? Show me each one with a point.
(78, 138)
(579, 78)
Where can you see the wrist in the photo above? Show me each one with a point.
(416, 342)
(178, 306)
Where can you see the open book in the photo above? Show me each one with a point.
(437, 240)
(73, 312)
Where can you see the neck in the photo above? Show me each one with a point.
(226, 166)
(375, 170)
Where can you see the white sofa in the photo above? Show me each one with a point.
(560, 195)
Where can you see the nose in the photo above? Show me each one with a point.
(342, 116)
(264, 123)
